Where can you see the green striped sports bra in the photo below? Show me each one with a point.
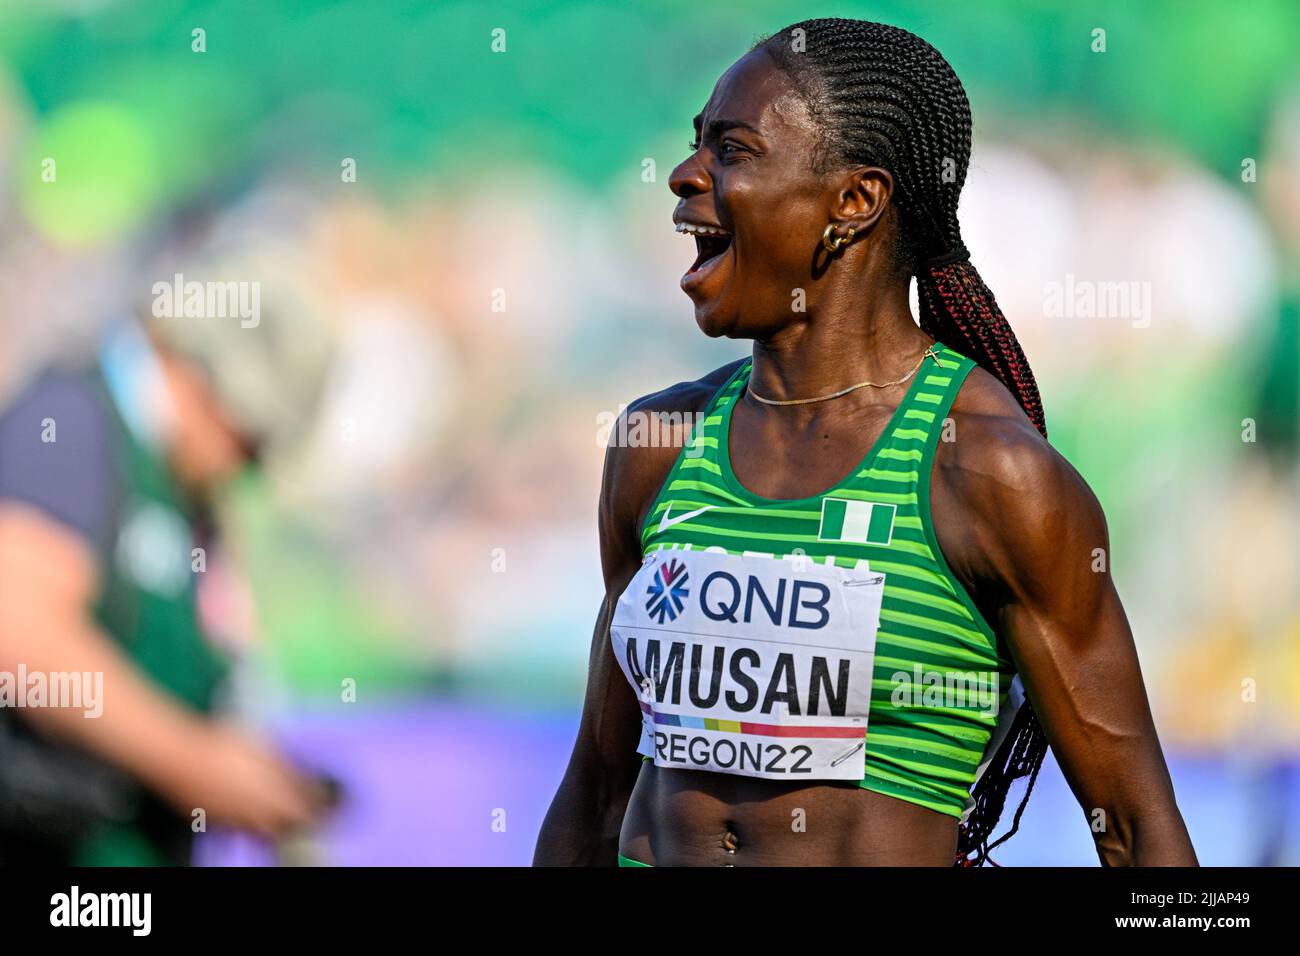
(940, 677)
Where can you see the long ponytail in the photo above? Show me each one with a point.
(958, 309)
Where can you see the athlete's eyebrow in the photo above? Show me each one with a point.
(719, 126)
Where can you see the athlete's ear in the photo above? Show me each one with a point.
(860, 197)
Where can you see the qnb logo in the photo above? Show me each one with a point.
(667, 592)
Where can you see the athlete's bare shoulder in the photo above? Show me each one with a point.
(693, 395)
(990, 432)
(643, 445)
(1004, 500)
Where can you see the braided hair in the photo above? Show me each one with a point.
(884, 97)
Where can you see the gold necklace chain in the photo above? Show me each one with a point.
(852, 388)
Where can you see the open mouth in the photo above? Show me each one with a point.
(710, 242)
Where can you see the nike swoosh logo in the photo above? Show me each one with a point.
(665, 522)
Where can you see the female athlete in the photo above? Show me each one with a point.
(864, 594)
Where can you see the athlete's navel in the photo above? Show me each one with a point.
(730, 843)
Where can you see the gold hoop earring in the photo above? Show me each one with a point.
(839, 240)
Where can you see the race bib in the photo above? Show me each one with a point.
(751, 665)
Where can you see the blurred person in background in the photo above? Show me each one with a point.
(108, 474)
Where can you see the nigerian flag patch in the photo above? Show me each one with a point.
(867, 522)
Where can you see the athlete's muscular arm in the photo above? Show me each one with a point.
(1037, 557)
(582, 826)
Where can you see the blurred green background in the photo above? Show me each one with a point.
(433, 536)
